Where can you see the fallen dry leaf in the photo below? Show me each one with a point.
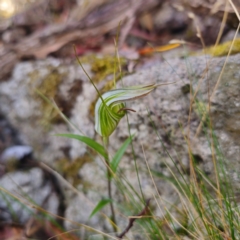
(8, 232)
(150, 50)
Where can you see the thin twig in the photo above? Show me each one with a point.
(132, 219)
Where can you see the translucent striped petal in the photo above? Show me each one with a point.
(108, 115)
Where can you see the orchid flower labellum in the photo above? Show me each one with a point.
(110, 107)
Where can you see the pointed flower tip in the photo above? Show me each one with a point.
(109, 113)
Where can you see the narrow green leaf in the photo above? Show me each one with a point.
(118, 156)
(88, 141)
(99, 206)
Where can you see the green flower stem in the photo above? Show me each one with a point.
(105, 144)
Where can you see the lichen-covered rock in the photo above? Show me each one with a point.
(35, 118)
(172, 120)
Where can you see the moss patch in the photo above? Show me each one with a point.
(69, 169)
(223, 49)
(102, 67)
(49, 87)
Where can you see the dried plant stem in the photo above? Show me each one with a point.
(132, 219)
(105, 142)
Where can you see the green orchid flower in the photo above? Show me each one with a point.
(110, 107)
